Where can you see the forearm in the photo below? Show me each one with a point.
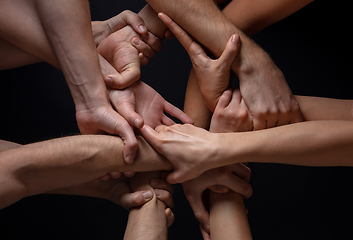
(252, 16)
(312, 143)
(15, 57)
(194, 106)
(148, 221)
(152, 21)
(228, 218)
(317, 108)
(64, 162)
(25, 33)
(68, 28)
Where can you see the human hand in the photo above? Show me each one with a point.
(140, 100)
(102, 29)
(190, 149)
(126, 50)
(234, 177)
(267, 95)
(161, 189)
(213, 75)
(231, 114)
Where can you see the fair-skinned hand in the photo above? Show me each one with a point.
(262, 84)
(122, 50)
(141, 100)
(234, 177)
(213, 74)
(161, 189)
(191, 150)
(231, 113)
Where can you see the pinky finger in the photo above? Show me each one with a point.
(143, 59)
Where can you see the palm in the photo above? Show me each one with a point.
(149, 104)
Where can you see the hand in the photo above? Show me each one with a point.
(268, 96)
(234, 177)
(121, 49)
(141, 100)
(231, 114)
(102, 29)
(187, 147)
(213, 75)
(162, 190)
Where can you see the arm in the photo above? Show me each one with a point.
(228, 218)
(40, 167)
(252, 16)
(148, 221)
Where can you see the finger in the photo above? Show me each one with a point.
(219, 189)
(259, 123)
(127, 110)
(167, 121)
(143, 59)
(129, 174)
(230, 51)
(194, 50)
(161, 184)
(115, 175)
(241, 170)
(199, 209)
(151, 136)
(165, 197)
(205, 234)
(225, 99)
(239, 185)
(154, 42)
(175, 177)
(130, 74)
(134, 20)
(135, 199)
(170, 216)
(168, 34)
(142, 47)
(115, 124)
(176, 112)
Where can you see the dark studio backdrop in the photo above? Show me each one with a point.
(312, 48)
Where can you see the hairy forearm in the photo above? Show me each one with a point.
(228, 218)
(68, 28)
(64, 162)
(252, 16)
(312, 143)
(148, 221)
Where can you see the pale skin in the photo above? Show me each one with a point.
(65, 162)
(151, 220)
(29, 35)
(262, 84)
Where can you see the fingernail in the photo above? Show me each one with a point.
(147, 195)
(136, 41)
(236, 39)
(169, 213)
(142, 28)
(109, 81)
(129, 159)
(158, 192)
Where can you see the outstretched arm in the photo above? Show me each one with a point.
(40, 167)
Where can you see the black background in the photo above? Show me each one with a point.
(312, 48)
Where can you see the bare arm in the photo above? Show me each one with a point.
(148, 221)
(40, 167)
(252, 16)
(228, 218)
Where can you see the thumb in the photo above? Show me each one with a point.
(151, 136)
(230, 51)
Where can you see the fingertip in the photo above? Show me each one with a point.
(147, 195)
(235, 38)
(139, 123)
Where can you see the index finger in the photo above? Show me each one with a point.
(190, 46)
